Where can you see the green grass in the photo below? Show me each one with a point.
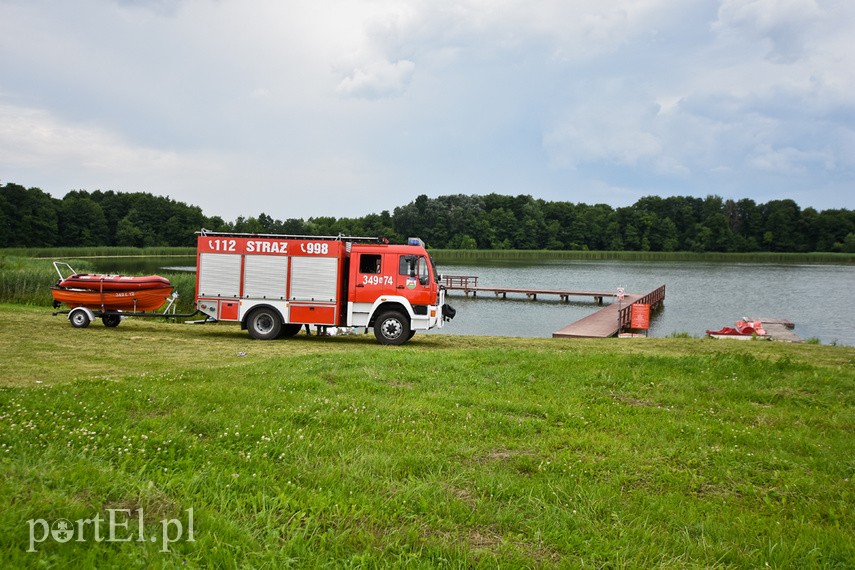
(480, 255)
(449, 451)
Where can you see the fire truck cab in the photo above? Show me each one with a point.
(276, 284)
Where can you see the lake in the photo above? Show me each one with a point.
(699, 295)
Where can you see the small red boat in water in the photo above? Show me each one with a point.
(110, 292)
(743, 330)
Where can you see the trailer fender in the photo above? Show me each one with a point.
(80, 317)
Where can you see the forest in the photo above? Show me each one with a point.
(30, 217)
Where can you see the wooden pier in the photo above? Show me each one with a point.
(779, 329)
(611, 319)
(469, 284)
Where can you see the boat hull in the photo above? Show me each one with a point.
(140, 300)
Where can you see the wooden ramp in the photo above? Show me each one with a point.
(779, 329)
(611, 319)
(602, 324)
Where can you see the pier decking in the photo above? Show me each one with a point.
(779, 329)
(611, 319)
(607, 322)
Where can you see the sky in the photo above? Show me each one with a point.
(301, 108)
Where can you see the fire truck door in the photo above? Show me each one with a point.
(373, 277)
(413, 279)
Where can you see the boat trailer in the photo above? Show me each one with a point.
(81, 316)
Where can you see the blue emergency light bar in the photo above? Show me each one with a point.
(415, 241)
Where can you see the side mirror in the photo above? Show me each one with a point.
(423, 280)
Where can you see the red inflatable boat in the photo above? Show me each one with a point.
(110, 292)
(113, 282)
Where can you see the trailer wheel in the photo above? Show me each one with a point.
(79, 319)
(392, 327)
(289, 330)
(263, 324)
(111, 320)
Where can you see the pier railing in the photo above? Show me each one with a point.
(655, 298)
(469, 284)
(460, 281)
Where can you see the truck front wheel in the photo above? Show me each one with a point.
(263, 324)
(392, 327)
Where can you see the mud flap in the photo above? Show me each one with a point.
(448, 312)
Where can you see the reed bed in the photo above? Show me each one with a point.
(102, 251)
(27, 281)
(26, 274)
(481, 255)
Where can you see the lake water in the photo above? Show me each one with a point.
(699, 296)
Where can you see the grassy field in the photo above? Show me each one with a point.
(450, 451)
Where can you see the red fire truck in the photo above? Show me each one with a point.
(276, 284)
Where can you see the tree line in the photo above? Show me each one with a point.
(30, 217)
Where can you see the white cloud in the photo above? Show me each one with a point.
(789, 160)
(377, 79)
(337, 107)
(783, 23)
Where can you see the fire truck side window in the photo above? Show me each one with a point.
(414, 266)
(406, 265)
(369, 263)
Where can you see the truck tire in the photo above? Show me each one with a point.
(263, 324)
(289, 330)
(392, 327)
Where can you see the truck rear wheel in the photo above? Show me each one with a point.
(392, 327)
(289, 330)
(263, 324)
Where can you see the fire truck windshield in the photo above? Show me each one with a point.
(435, 272)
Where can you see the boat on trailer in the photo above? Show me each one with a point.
(136, 301)
(109, 292)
